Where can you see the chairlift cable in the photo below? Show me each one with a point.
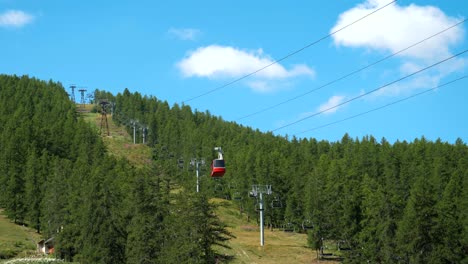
(384, 106)
(371, 91)
(349, 74)
(288, 55)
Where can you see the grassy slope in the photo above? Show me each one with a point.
(120, 143)
(16, 240)
(280, 247)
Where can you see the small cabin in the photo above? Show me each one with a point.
(46, 246)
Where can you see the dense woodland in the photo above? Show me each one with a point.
(404, 202)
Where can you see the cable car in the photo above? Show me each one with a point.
(218, 167)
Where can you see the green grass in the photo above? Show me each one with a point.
(119, 142)
(16, 240)
(42, 260)
(280, 247)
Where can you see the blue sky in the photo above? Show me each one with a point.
(198, 52)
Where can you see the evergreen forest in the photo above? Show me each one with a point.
(401, 202)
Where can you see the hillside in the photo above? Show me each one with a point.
(280, 247)
(120, 143)
(113, 201)
(15, 240)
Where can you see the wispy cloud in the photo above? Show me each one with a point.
(216, 62)
(331, 105)
(15, 18)
(185, 33)
(397, 27)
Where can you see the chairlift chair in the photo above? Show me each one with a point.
(307, 224)
(180, 163)
(219, 190)
(218, 187)
(288, 227)
(276, 203)
(237, 196)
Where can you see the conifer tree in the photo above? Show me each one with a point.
(416, 235)
(103, 236)
(145, 231)
(36, 176)
(449, 226)
(191, 231)
(373, 223)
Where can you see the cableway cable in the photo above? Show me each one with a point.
(349, 74)
(370, 92)
(384, 106)
(287, 56)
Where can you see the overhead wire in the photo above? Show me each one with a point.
(349, 74)
(287, 56)
(370, 92)
(384, 106)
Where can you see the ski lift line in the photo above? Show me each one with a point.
(350, 74)
(370, 92)
(384, 106)
(288, 55)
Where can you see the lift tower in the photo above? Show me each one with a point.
(197, 163)
(258, 191)
(104, 124)
(72, 87)
(83, 101)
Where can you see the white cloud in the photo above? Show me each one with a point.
(216, 61)
(424, 81)
(15, 18)
(331, 106)
(185, 33)
(397, 27)
(260, 86)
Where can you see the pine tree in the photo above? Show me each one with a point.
(59, 216)
(192, 230)
(145, 231)
(314, 239)
(103, 236)
(373, 222)
(449, 225)
(416, 232)
(315, 194)
(36, 173)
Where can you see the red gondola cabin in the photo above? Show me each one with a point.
(217, 166)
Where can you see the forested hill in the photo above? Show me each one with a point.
(404, 202)
(56, 177)
(390, 203)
